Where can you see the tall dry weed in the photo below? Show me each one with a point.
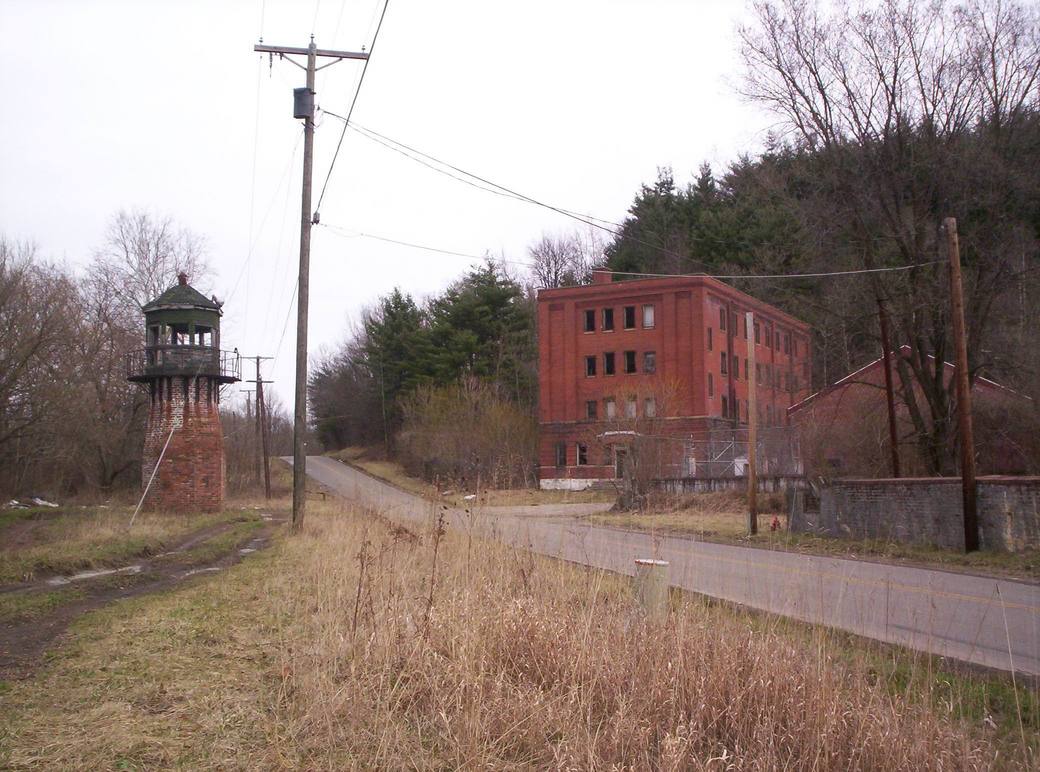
(482, 657)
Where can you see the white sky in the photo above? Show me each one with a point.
(115, 104)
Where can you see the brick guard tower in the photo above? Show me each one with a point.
(184, 368)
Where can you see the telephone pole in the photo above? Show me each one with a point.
(886, 356)
(303, 107)
(960, 345)
(752, 422)
(261, 456)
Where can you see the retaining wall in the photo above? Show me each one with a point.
(770, 484)
(927, 511)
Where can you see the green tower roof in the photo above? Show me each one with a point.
(182, 295)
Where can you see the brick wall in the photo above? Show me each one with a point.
(928, 511)
(191, 475)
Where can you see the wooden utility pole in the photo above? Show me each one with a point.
(261, 458)
(304, 108)
(752, 422)
(886, 356)
(264, 428)
(960, 345)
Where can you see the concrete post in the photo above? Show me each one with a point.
(651, 587)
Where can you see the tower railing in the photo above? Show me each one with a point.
(169, 360)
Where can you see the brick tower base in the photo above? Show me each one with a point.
(191, 475)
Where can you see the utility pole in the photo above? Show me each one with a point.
(960, 345)
(303, 107)
(752, 422)
(886, 355)
(261, 458)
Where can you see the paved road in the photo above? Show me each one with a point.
(990, 622)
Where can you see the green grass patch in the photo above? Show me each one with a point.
(22, 607)
(92, 538)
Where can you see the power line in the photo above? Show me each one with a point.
(818, 275)
(375, 136)
(359, 234)
(350, 112)
(270, 206)
(614, 228)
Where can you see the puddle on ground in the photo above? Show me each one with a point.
(60, 580)
(208, 570)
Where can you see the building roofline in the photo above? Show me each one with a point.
(875, 363)
(664, 283)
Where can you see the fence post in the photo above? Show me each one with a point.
(651, 584)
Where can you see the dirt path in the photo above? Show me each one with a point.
(23, 643)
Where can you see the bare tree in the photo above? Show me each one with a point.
(566, 259)
(913, 109)
(36, 302)
(142, 255)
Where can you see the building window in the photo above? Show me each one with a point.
(758, 373)
(747, 373)
(787, 343)
(725, 406)
(630, 317)
(590, 367)
(769, 415)
(722, 318)
(709, 339)
(650, 407)
(591, 409)
(794, 347)
(630, 407)
(758, 333)
(583, 454)
(649, 361)
(630, 361)
(610, 408)
(711, 386)
(776, 342)
(590, 320)
(648, 317)
(608, 319)
(747, 411)
(736, 367)
(745, 326)
(561, 454)
(724, 362)
(608, 363)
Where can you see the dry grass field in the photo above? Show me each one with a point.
(361, 645)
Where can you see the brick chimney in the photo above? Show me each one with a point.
(602, 277)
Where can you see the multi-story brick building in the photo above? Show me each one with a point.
(667, 357)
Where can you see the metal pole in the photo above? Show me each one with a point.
(299, 507)
(960, 343)
(886, 355)
(752, 492)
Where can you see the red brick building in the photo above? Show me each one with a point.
(843, 428)
(667, 353)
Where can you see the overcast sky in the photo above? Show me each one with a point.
(164, 106)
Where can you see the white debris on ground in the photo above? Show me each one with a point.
(447, 493)
(16, 504)
(43, 502)
(470, 497)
